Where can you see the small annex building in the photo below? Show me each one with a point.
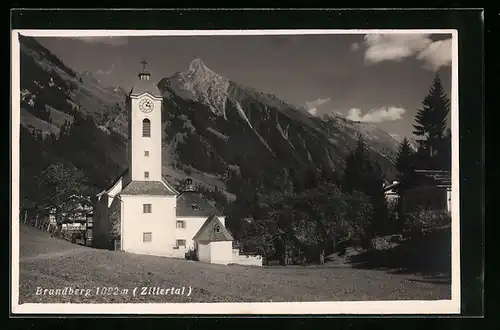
(213, 242)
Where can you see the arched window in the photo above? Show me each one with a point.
(146, 128)
(217, 229)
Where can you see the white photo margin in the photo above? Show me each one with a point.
(402, 307)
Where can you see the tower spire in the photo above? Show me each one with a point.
(144, 75)
(144, 64)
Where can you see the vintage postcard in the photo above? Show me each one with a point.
(235, 172)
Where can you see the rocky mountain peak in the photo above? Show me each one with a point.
(203, 85)
(198, 68)
(198, 73)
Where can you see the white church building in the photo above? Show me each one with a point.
(142, 213)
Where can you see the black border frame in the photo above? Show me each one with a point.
(470, 26)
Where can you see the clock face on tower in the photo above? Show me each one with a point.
(146, 105)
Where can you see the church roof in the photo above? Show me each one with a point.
(144, 84)
(141, 187)
(193, 204)
(213, 231)
(147, 188)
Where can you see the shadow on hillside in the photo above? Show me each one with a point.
(429, 256)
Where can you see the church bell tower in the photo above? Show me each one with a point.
(145, 129)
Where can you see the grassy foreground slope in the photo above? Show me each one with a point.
(50, 263)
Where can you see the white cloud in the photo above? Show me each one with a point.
(312, 106)
(376, 115)
(396, 47)
(437, 54)
(382, 47)
(112, 41)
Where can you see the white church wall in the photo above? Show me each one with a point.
(221, 252)
(192, 225)
(160, 223)
(179, 253)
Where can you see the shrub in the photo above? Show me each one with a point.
(392, 206)
(115, 218)
(424, 221)
(359, 216)
(395, 224)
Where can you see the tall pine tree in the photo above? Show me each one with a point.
(431, 123)
(405, 167)
(364, 175)
(356, 167)
(375, 190)
(404, 164)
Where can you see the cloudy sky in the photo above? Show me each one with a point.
(379, 79)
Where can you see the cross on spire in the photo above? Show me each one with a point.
(144, 75)
(144, 63)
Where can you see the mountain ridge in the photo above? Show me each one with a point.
(219, 132)
(280, 131)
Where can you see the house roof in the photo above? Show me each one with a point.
(193, 204)
(438, 177)
(391, 186)
(147, 188)
(213, 231)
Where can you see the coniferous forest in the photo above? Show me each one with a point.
(330, 212)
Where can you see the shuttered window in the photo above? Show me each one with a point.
(146, 208)
(147, 237)
(146, 128)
